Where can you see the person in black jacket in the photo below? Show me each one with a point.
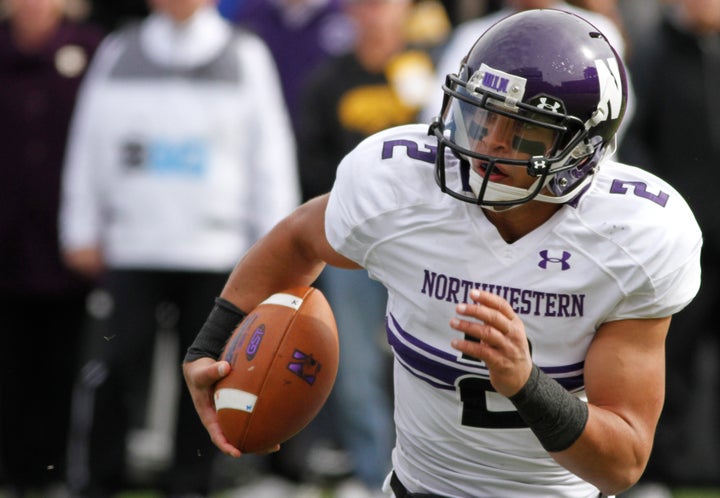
(676, 134)
(43, 58)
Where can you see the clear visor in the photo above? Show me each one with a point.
(499, 131)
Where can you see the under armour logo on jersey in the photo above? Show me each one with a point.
(546, 258)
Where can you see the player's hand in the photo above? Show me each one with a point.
(500, 340)
(200, 377)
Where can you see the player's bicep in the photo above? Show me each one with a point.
(625, 370)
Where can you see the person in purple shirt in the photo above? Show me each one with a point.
(301, 34)
(43, 57)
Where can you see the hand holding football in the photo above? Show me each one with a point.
(284, 359)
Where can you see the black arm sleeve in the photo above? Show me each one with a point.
(555, 416)
(216, 330)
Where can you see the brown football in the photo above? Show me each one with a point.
(284, 358)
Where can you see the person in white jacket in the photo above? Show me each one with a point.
(181, 154)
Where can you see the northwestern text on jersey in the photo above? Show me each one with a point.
(523, 301)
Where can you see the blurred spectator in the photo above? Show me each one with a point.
(461, 10)
(381, 83)
(676, 134)
(428, 24)
(114, 14)
(428, 27)
(608, 8)
(301, 34)
(181, 154)
(640, 18)
(43, 57)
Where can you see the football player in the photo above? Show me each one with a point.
(531, 279)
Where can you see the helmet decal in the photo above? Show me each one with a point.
(509, 86)
(611, 94)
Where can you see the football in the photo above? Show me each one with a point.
(284, 358)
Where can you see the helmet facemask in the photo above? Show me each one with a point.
(545, 141)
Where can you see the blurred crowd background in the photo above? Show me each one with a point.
(147, 144)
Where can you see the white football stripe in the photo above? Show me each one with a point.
(234, 399)
(283, 299)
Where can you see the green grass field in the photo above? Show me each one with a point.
(696, 493)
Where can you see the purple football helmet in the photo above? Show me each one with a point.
(559, 88)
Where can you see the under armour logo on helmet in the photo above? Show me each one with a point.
(537, 166)
(548, 105)
(548, 259)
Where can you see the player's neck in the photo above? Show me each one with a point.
(514, 224)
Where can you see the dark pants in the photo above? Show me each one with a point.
(40, 341)
(112, 390)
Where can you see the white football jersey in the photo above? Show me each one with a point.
(629, 248)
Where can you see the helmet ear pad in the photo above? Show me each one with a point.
(567, 180)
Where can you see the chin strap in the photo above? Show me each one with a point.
(495, 192)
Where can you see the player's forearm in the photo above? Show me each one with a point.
(598, 444)
(611, 453)
(278, 261)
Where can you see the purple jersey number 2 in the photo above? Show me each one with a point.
(640, 190)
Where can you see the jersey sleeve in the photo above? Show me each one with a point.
(668, 292)
(660, 242)
(378, 177)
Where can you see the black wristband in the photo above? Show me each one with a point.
(216, 330)
(555, 416)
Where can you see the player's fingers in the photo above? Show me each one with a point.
(205, 372)
(267, 451)
(200, 376)
(493, 301)
(497, 312)
(481, 350)
(489, 316)
(218, 438)
(491, 327)
(488, 344)
(208, 416)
